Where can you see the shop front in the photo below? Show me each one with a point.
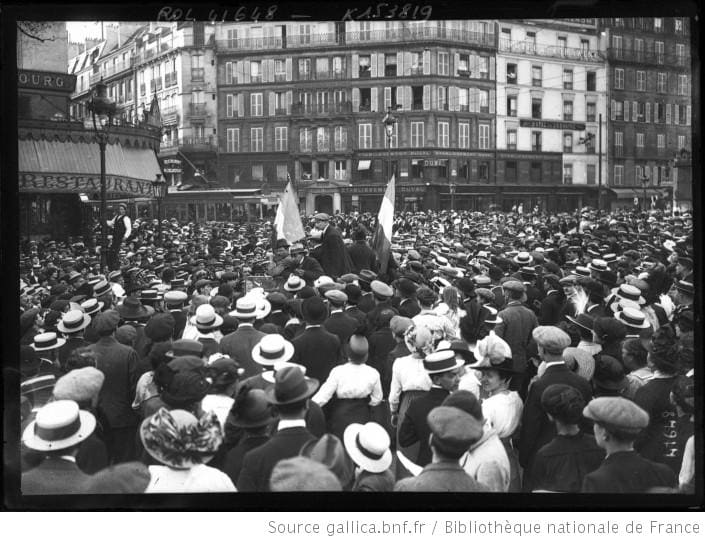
(408, 197)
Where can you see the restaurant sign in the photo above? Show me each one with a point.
(380, 189)
(47, 182)
(551, 124)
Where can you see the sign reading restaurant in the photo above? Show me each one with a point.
(46, 182)
(551, 124)
(46, 80)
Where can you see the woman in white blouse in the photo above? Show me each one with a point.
(351, 390)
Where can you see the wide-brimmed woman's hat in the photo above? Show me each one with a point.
(58, 425)
(132, 309)
(73, 321)
(47, 341)
(291, 386)
(633, 318)
(206, 318)
(179, 440)
(272, 349)
(294, 283)
(368, 446)
(251, 408)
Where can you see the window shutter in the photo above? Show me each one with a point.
(453, 98)
(454, 69)
(407, 93)
(272, 105)
(493, 68)
(407, 62)
(269, 69)
(289, 101)
(612, 110)
(288, 68)
(400, 96)
(433, 96)
(228, 73)
(240, 76)
(676, 114)
(246, 71)
(356, 100)
(373, 65)
(373, 99)
(474, 66)
(656, 112)
(626, 110)
(355, 66)
(648, 112)
(427, 62)
(240, 105)
(400, 64)
(635, 112)
(387, 97)
(668, 113)
(474, 100)
(687, 115)
(380, 65)
(229, 105)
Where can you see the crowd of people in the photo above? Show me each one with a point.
(490, 352)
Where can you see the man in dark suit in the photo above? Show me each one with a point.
(452, 432)
(361, 255)
(332, 255)
(57, 431)
(381, 343)
(239, 344)
(617, 423)
(443, 369)
(174, 303)
(290, 395)
(354, 292)
(277, 316)
(118, 363)
(536, 428)
(554, 304)
(367, 299)
(303, 265)
(405, 290)
(382, 293)
(339, 323)
(596, 298)
(72, 325)
(316, 348)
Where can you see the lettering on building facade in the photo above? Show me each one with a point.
(46, 182)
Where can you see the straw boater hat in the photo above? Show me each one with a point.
(206, 318)
(633, 318)
(92, 306)
(294, 283)
(368, 446)
(629, 293)
(442, 361)
(179, 440)
(523, 258)
(245, 307)
(58, 425)
(271, 349)
(598, 265)
(47, 341)
(73, 321)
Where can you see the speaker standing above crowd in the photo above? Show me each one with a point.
(496, 352)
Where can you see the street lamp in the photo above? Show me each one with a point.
(644, 182)
(680, 160)
(451, 187)
(102, 110)
(389, 121)
(160, 188)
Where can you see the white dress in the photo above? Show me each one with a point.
(503, 412)
(197, 479)
(220, 404)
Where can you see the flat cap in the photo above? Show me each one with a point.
(514, 286)
(381, 289)
(453, 429)
(79, 385)
(106, 321)
(321, 216)
(367, 275)
(185, 347)
(553, 339)
(482, 280)
(399, 324)
(336, 297)
(617, 413)
(349, 278)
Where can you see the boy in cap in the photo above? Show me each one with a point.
(617, 424)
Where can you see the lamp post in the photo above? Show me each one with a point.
(159, 187)
(389, 121)
(102, 111)
(584, 141)
(644, 182)
(451, 188)
(680, 159)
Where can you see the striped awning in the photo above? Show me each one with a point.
(74, 167)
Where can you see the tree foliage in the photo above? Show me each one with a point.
(37, 30)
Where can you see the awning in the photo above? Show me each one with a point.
(629, 193)
(363, 165)
(71, 167)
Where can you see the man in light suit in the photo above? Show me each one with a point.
(290, 395)
(239, 344)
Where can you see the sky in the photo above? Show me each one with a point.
(80, 30)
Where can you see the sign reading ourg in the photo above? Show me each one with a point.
(47, 182)
(46, 80)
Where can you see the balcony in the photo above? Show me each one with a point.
(118, 67)
(198, 144)
(280, 111)
(323, 109)
(198, 74)
(170, 115)
(197, 109)
(170, 79)
(279, 77)
(551, 51)
(645, 57)
(250, 44)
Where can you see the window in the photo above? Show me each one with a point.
(584, 46)
(536, 141)
(365, 136)
(416, 63)
(341, 170)
(683, 85)
(484, 136)
(322, 70)
(443, 135)
(256, 139)
(256, 104)
(230, 104)
(567, 142)
(641, 80)
(511, 171)
(679, 25)
(322, 101)
(531, 42)
(340, 138)
(281, 138)
(483, 97)
(483, 63)
(280, 103)
(511, 139)
(567, 173)
(365, 99)
(562, 44)
(416, 168)
(305, 139)
(279, 70)
(306, 170)
(256, 71)
(282, 172)
(658, 49)
(322, 169)
(590, 81)
(658, 24)
(619, 78)
(535, 108)
(535, 173)
(483, 171)
(257, 172)
(568, 79)
(661, 141)
(668, 113)
(304, 68)
(464, 135)
(590, 112)
(304, 33)
(233, 139)
(590, 173)
(618, 110)
(229, 70)
(322, 139)
(618, 175)
(680, 54)
(338, 70)
(417, 98)
(618, 21)
(619, 143)
(417, 138)
(443, 65)
(536, 76)
(364, 66)
(639, 49)
(511, 73)
(442, 97)
(640, 141)
(511, 106)
(463, 99)
(390, 64)
(567, 110)
(463, 65)
(617, 46)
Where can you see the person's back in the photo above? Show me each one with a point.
(561, 465)
(628, 472)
